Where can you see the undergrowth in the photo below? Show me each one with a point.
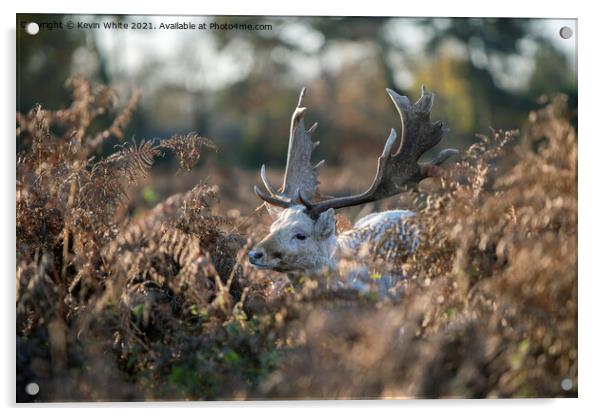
(115, 304)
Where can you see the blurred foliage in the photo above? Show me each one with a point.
(486, 72)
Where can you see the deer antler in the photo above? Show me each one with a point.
(394, 173)
(300, 176)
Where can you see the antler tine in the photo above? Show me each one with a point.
(395, 172)
(278, 201)
(268, 185)
(443, 156)
(425, 102)
(301, 96)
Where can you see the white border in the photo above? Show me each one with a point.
(589, 194)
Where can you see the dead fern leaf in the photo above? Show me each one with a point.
(187, 148)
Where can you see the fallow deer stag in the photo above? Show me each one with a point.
(303, 238)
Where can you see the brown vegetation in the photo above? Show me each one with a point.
(161, 305)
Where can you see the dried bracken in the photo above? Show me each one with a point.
(188, 148)
(115, 303)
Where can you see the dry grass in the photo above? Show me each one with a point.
(162, 305)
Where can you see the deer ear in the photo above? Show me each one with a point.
(325, 224)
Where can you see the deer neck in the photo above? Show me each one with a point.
(333, 249)
(348, 243)
(341, 245)
(327, 261)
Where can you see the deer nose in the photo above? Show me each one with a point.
(255, 255)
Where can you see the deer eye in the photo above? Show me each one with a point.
(300, 236)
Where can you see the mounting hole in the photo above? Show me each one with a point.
(32, 28)
(566, 32)
(32, 389)
(566, 384)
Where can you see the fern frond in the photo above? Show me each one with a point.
(187, 148)
(132, 162)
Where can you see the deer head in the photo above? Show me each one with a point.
(302, 237)
(297, 242)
